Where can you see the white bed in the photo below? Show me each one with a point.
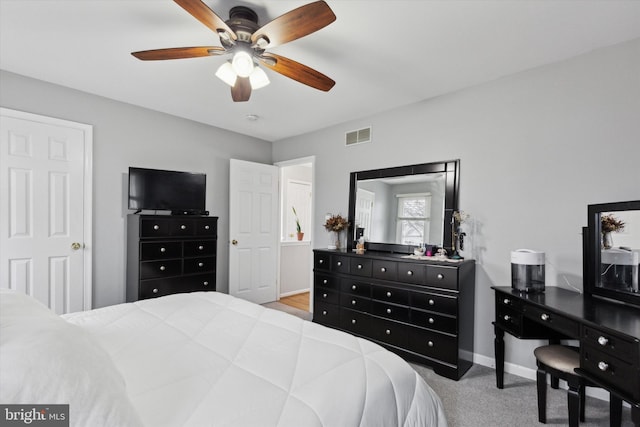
(203, 359)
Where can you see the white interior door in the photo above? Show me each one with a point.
(253, 231)
(43, 214)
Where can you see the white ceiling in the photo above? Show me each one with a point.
(382, 54)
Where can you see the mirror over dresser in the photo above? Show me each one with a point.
(420, 308)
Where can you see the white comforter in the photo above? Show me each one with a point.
(208, 359)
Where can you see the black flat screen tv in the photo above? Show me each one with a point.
(178, 192)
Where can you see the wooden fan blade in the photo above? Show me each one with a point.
(208, 17)
(241, 91)
(298, 72)
(178, 53)
(295, 24)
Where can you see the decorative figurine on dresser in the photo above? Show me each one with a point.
(168, 254)
(420, 307)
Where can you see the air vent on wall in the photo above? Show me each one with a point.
(358, 136)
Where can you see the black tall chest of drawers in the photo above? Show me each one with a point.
(169, 254)
(421, 310)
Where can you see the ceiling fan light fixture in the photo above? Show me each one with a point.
(258, 78)
(242, 64)
(227, 74)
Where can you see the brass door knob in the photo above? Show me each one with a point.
(234, 242)
(75, 246)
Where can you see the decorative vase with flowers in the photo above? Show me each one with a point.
(609, 224)
(334, 225)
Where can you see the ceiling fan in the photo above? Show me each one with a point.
(241, 36)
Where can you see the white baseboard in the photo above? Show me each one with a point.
(288, 294)
(530, 374)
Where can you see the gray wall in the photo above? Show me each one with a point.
(535, 149)
(125, 135)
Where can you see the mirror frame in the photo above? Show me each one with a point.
(451, 170)
(592, 247)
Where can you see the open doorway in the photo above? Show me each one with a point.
(296, 235)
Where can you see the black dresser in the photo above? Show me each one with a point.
(170, 254)
(421, 310)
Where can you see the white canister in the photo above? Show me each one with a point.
(527, 270)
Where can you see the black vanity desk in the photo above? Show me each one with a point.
(609, 335)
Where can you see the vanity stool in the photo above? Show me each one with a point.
(560, 361)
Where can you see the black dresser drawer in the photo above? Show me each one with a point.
(199, 265)
(182, 227)
(156, 227)
(509, 319)
(620, 375)
(159, 287)
(559, 323)
(160, 250)
(389, 294)
(435, 321)
(321, 261)
(355, 302)
(326, 295)
(326, 281)
(386, 270)
(391, 311)
(339, 264)
(360, 267)
(433, 344)
(200, 247)
(442, 277)
(207, 227)
(610, 344)
(355, 287)
(435, 302)
(326, 314)
(411, 273)
(156, 269)
(355, 321)
(390, 332)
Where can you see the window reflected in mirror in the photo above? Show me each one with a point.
(620, 250)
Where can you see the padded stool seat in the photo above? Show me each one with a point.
(560, 361)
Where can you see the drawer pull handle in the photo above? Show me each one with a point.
(325, 281)
(200, 247)
(156, 227)
(155, 290)
(384, 270)
(602, 340)
(430, 343)
(206, 227)
(440, 276)
(359, 266)
(603, 366)
(339, 263)
(388, 332)
(507, 317)
(353, 321)
(354, 287)
(544, 316)
(324, 312)
(506, 301)
(388, 294)
(201, 264)
(163, 249)
(205, 283)
(431, 302)
(320, 261)
(353, 302)
(183, 227)
(324, 295)
(388, 311)
(163, 268)
(409, 273)
(431, 320)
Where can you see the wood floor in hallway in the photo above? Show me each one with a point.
(299, 301)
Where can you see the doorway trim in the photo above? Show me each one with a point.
(295, 162)
(88, 190)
